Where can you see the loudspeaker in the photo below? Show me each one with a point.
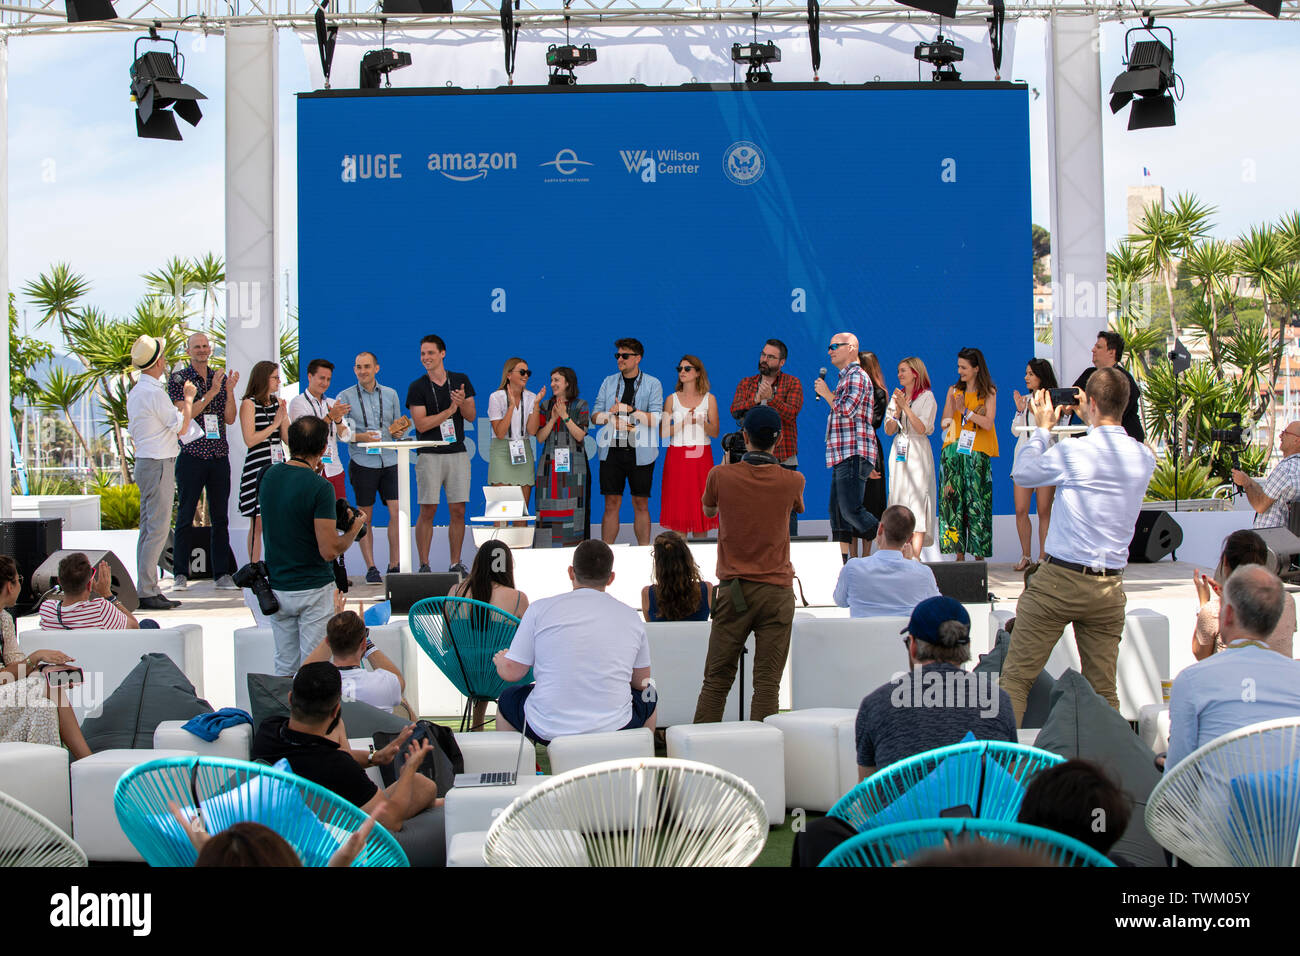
(29, 541)
(200, 556)
(403, 590)
(964, 581)
(1283, 546)
(47, 575)
(1156, 535)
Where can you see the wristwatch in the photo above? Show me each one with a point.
(370, 757)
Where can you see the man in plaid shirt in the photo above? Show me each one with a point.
(1282, 486)
(851, 450)
(784, 395)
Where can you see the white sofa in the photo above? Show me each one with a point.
(94, 819)
(107, 657)
(37, 775)
(753, 751)
(677, 653)
(821, 755)
(836, 662)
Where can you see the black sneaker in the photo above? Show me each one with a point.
(158, 603)
(372, 575)
(393, 570)
(459, 568)
(425, 569)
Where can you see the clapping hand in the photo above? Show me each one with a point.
(281, 414)
(218, 381)
(765, 390)
(189, 389)
(541, 393)
(458, 397)
(382, 758)
(103, 580)
(1021, 400)
(192, 825)
(342, 408)
(232, 379)
(351, 848)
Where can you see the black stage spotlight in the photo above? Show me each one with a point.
(1272, 7)
(416, 6)
(155, 85)
(84, 11)
(757, 55)
(379, 63)
(941, 54)
(563, 60)
(1148, 75)
(944, 8)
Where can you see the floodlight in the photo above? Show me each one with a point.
(1149, 75)
(84, 11)
(156, 85)
(563, 60)
(941, 54)
(416, 6)
(757, 55)
(377, 63)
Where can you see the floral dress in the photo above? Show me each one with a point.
(26, 713)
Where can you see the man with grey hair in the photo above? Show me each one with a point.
(1245, 683)
(852, 452)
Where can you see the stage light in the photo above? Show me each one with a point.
(377, 63)
(941, 54)
(415, 6)
(563, 60)
(1149, 75)
(1272, 7)
(944, 8)
(155, 85)
(757, 55)
(84, 11)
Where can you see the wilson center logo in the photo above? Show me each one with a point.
(651, 164)
(466, 167)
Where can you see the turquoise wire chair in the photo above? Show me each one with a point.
(313, 820)
(462, 636)
(989, 776)
(891, 845)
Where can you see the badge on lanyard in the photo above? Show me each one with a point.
(966, 442)
(374, 451)
(562, 461)
(210, 428)
(327, 459)
(277, 453)
(900, 447)
(448, 430)
(518, 454)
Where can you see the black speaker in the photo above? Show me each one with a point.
(964, 581)
(200, 555)
(1156, 535)
(47, 575)
(403, 590)
(29, 541)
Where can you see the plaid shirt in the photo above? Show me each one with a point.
(786, 400)
(848, 426)
(1283, 486)
(202, 447)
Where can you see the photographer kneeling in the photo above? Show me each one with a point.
(301, 539)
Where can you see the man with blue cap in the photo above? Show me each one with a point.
(753, 500)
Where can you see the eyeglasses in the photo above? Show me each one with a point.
(624, 355)
(686, 368)
(837, 345)
(525, 372)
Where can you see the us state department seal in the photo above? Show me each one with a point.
(744, 163)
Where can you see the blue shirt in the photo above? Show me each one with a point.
(1232, 689)
(371, 411)
(884, 584)
(648, 397)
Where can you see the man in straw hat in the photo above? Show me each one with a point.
(156, 427)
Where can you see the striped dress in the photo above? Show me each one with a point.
(258, 460)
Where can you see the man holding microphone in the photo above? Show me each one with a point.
(851, 448)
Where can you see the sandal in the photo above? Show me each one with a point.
(1023, 565)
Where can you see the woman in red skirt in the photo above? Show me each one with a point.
(690, 422)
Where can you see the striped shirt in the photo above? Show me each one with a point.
(95, 613)
(848, 426)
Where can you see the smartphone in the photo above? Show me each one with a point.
(1062, 396)
(963, 811)
(63, 676)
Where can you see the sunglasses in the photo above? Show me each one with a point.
(624, 355)
(525, 372)
(837, 345)
(686, 368)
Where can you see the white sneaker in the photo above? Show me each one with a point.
(181, 583)
(226, 583)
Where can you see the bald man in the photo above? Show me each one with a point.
(852, 452)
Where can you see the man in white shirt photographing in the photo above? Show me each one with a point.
(1100, 480)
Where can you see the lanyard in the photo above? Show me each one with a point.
(321, 409)
(361, 400)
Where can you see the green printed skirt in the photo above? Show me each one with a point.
(965, 503)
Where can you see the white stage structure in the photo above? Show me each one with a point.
(651, 34)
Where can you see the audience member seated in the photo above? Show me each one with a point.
(492, 581)
(87, 599)
(30, 710)
(347, 644)
(677, 594)
(938, 702)
(255, 844)
(887, 583)
(1078, 798)
(589, 655)
(1239, 548)
(1246, 682)
(315, 742)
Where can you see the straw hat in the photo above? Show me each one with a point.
(145, 352)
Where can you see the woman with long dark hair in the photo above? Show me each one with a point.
(264, 421)
(677, 594)
(491, 580)
(969, 445)
(1038, 374)
(910, 419)
(563, 474)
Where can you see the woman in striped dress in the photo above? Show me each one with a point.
(264, 420)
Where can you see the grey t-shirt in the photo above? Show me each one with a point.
(933, 707)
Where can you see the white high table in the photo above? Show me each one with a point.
(403, 517)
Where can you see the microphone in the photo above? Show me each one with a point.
(822, 375)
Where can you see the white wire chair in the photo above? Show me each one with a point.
(1234, 801)
(28, 839)
(650, 811)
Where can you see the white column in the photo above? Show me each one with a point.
(6, 452)
(1078, 208)
(252, 201)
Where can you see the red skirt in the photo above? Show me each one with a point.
(685, 471)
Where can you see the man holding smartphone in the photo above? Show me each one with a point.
(87, 600)
(1106, 354)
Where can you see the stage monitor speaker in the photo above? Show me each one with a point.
(1283, 546)
(47, 575)
(29, 541)
(200, 556)
(1156, 535)
(403, 590)
(964, 581)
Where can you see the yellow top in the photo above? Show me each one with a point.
(986, 439)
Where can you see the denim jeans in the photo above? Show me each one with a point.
(299, 626)
(848, 487)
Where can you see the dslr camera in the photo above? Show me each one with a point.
(1234, 435)
(345, 514)
(257, 579)
(733, 446)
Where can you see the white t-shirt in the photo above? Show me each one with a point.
(378, 688)
(498, 405)
(582, 647)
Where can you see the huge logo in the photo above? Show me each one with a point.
(370, 166)
(651, 164)
(466, 167)
(566, 163)
(744, 163)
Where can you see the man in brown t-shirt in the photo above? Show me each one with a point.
(753, 500)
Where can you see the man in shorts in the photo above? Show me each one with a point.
(628, 405)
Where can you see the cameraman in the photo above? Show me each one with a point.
(1280, 488)
(301, 539)
(753, 500)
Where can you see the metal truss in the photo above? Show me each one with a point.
(213, 16)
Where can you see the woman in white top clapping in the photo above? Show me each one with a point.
(510, 409)
(910, 418)
(1038, 374)
(690, 422)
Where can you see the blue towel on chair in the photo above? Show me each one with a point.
(209, 726)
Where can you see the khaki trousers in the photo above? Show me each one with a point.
(1054, 598)
(768, 612)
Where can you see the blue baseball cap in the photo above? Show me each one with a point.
(762, 422)
(930, 613)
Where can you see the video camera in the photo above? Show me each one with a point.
(1233, 438)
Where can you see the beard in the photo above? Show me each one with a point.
(764, 370)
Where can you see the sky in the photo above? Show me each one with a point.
(84, 189)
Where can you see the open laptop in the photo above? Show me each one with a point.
(496, 778)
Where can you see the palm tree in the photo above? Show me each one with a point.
(56, 293)
(104, 347)
(208, 274)
(175, 280)
(1211, 263)
(61, 392)
(1163, 238)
